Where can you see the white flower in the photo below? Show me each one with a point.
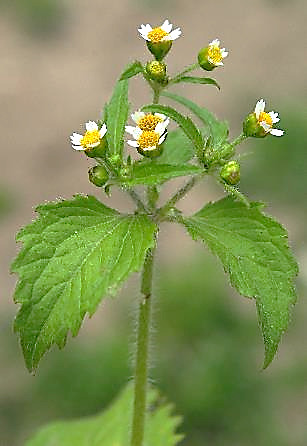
(91, 138)
(215, 53)
(152, 132)
(159, 34)
(267, 120)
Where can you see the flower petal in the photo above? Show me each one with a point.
(132, 143)
(160, 115)
(91, 126)
(265, 126)
(162, 138)
(166, 26)
(260, 106)
(136, 116)
(103, 131)
(215, 42)
(134, 131)
(161, 126)
(174, 34)
(78, 148)
(277, 132)
(76, 139)
(274, 117)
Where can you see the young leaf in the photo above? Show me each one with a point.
(151, 173)
(116, 117)
(75, 253)
(112, 427)
(253, 249)
(132, 70)
(196, 80)
(218, 129)
(184, 122)
(177, 149)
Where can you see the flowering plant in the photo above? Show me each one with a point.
(78, 251)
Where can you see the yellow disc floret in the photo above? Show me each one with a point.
(214, 54)
(149, 122)
(148, 139)
(157, 35)
(265, 117)
(90, 139)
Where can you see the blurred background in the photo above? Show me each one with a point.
(59, 61)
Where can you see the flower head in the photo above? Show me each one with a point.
(91, 138)
(149, 133)
(160, 34)
(267, 120)
(212, 56)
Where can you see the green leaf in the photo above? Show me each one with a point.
(177, 149)
(116, 113)
(196, 80)
(218, 129)
(132, 70)
(75, 253)
(151, 173)
(253, 249)
(184, 122)
(112, 427)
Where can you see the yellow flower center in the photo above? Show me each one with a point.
(157, 35)
(148, 139)
(215, 55)
(90, 138)
(149, 122)
(265, 117)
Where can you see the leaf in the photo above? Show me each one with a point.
(253, 249)
(177, 149)
(116, 117)
(112, 427)
(151, 173)
(184, 122)
(196, 80)
(218, 129)
(132, 70)
(75, 253)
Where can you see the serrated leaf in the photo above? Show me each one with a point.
(116, 117)
(218, 129)
(177, 149)
(253, 249)
(112, 427)
(132, 70)
(197, 80)
(151, 173)
(73, 254)
(184, 122)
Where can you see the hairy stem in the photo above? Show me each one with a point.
(188, 69)
(141, 206)
(141, 365)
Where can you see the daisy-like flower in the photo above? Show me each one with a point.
(92, 138)
(267, 120)
(212, 56)
(215, 53)
(160, 34)
(149, 133)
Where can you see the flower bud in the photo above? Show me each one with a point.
(230, 172)
(99, 151)
(159, 49)
(157, 71)
(252, 127)
(98, 175)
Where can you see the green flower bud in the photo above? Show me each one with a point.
(99, 151)
(154, 153)
(98, 175)
(157, 71)
(230, 172)
(159, 49)
(251, 127)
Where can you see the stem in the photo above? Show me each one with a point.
(156, 92)
(141, 206)
(188, 69)
(238, 140)
(141, 366)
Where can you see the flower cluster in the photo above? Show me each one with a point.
(149, 133)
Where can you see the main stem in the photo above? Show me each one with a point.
(141, 364)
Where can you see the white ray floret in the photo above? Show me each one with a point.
(267, 120)
(215, 53)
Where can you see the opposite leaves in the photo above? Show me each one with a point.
(253, 249)
(75, 253)
(112, 427)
